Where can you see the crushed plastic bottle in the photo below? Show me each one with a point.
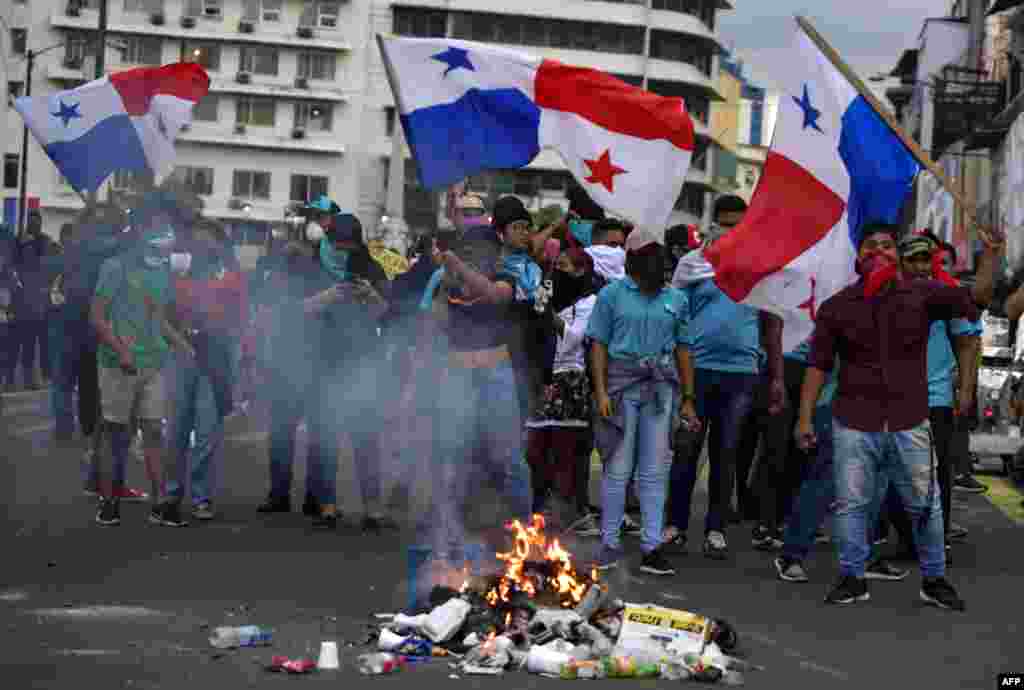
(444, 621)
(244, 636)
(380, 663)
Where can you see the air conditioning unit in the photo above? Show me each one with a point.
(298, 133)
(244, 78)
(236, 204)
(188, 22)
(305, 32)
(157, 18)
(239, 128)
(301, 83)
(246, 27)
(73, 62)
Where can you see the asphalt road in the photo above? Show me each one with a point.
(131, 607)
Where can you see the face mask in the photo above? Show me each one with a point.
(648, 271)
(180, 262)
(569, 289)
(582, 230)
(156, 260)
(315, 232)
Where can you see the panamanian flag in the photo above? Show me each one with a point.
(468, 107)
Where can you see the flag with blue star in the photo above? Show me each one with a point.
(67, 112)
(455, 58)
(811, 114)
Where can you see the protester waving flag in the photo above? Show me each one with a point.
(834, 165)
(126, 121)
(468, 107)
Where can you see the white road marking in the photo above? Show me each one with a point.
(13, 596)
(100, 611)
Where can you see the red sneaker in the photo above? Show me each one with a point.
(135, 495)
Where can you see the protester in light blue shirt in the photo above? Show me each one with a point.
(640, 357)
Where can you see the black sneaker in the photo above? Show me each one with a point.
(630, 526)
(655, 563)
(674, 541)
(765, 539)
(167, 514)
(378, 523)
(848, 590)
(311, 506)
(108, 512)
(884, 570)
(790, 569)
(965, 483)
(325, 521)
(275, 504)
(938, 592)
(715, 546)
(956, 532)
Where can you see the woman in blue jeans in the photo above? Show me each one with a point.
(640, 356)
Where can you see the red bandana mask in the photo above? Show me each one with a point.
(878, 271)
(939, 272)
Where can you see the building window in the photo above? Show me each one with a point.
(693, 7)
(410, 21)
(19, 40)
(691, 200)
(76, 48)
(317, 65)
(212, 9)
(206, 109)
(389, 121)
(528, 31)
(143, 50)
(15, 89)
(143, 6)
(199, 181)
(701, 150)
(327, 15)
(126, 181)
(554, 181)
(11, 170)
(251, 184)
(315, 117)
(671, 46)
(259, 60)
(305, 188)
(270, 10)
(258, 112)
(697, 102)
(205, 54)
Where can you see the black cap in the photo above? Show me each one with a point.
(508, 210)
(345, 228)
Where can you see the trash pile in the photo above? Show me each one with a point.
(543, 617)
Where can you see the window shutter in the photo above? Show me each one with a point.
(250, 10)
(308, 16)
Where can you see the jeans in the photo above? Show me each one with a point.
(817, 492)
(479, 432)
(30, 333)
(74, 364)
(8, 353)
(288, 407)
(644, 448)
(195, 410)
(724, 400)
(865, 463)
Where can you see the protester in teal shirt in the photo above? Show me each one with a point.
(636, 326)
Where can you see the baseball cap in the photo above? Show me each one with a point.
(914, 245)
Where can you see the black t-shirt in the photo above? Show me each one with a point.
(477, 325)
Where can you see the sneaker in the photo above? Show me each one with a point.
(378, 523)
(884, 570)
(203, 511)
(881, 540)
(586, 525)
(938, 592)
(673, 538)
(848, 590)
(131, 495)
(956, 532)
(326, 521)
(608, 558)
(108, 512)
(655, 563)
(765, 539)
(715, 545)
(790, 569)
(167, 514)
(90, 490)
(275, 504)
(821, 537)
(311, 506)
(965, 483)
(630, 526)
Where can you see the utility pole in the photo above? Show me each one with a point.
(30, 59)
(101, 64)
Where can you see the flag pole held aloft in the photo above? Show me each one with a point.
(915, 149)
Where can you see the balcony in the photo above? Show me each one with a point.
(287, 37)
(670, 70)
(265, 138)
(276, 87)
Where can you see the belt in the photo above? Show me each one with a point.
(480, 359)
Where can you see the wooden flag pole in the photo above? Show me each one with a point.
(920, 154)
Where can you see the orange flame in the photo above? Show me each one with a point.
(527, 538)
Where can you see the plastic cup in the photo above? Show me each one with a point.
(328, 656)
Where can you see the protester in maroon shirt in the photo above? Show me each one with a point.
(879, 329)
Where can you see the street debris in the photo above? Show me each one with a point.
(544, 617)
(244, 636)
(282, 664)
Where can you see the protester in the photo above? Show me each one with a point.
(212, 307)
(640, 359)
(10, 285)
(879, 327)
(34, 304)
(726, 343)
(130, 315)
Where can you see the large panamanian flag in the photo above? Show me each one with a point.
(834, 164)
(125, 121)
(468, 107)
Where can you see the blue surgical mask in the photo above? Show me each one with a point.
(334, 261)
(582, 230)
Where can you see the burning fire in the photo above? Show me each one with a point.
(530, 540)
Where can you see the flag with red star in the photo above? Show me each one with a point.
(468, 107)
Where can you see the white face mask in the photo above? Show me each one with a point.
(156, 260)
(314, 232)
(180, 262)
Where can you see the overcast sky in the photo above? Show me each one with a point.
(869, 34)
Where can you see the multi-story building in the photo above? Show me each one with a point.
(668, 46)
(278, 125)
(300, 105)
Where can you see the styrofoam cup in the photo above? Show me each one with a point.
(328, 656)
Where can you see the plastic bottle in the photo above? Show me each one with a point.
(379, 664)
(244, 636)
(444, 621)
